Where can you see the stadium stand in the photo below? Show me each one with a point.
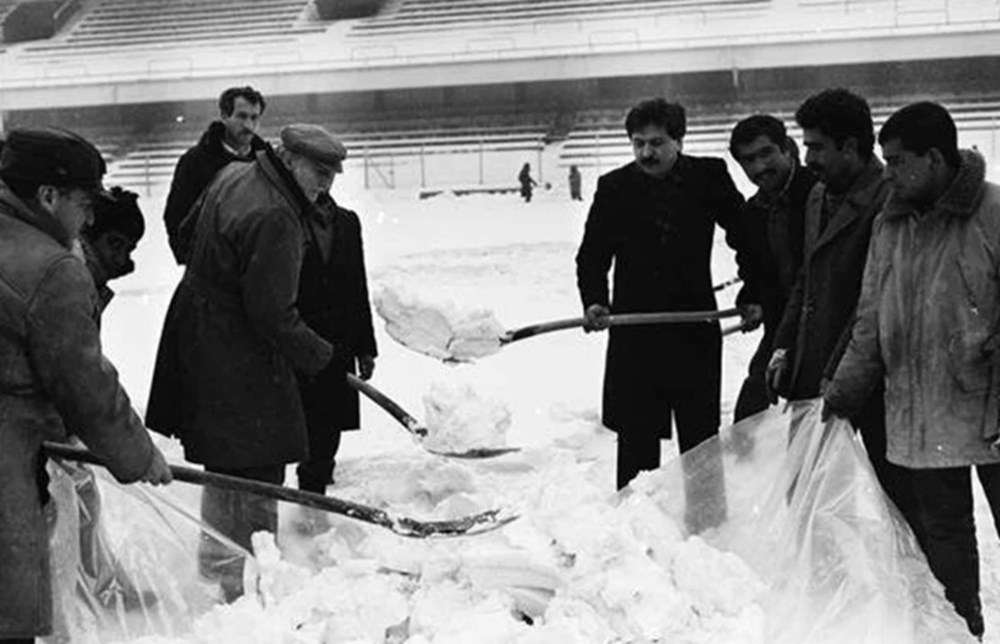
(415, 15)
(116, 24)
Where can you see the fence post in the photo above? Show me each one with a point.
(423, 172)
(597, 149)
(541, 175)
(365, 153)
(149, 179)
(481, 152)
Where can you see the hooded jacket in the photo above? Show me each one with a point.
(927, 326)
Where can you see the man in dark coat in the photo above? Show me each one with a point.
(655, 220)
(775, 218)
(233, 339)
(232, 138)
(54, 378)
(333, 300)
(813, 335)
(527, 183)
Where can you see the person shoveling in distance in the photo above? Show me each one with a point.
(455, 336)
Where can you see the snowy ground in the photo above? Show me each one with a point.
(516, 260)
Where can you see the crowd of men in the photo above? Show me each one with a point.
(876, 286)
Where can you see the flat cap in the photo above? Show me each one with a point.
(51, 156)
(315, 143)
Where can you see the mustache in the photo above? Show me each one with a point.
(649, 161)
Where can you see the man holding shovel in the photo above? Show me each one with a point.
(655, 220)
(233, 340)
(55, 377)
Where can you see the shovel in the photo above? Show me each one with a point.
(414, 426)
(401, 525)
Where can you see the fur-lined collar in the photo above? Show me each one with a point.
(960, 199)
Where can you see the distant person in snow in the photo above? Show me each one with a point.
(926, 328)
(527, 183)
(231, 138)
(574, 183)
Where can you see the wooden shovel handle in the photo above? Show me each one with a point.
(411, 424)
(620, 319)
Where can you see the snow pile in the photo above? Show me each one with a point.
(442, 331)
(458, 419)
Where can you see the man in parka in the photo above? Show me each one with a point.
(927, 327)
(55, 378)
(231, 138)
(233, 339)
(333, 300)
(775, 221)
(655, 220)
(839, 138)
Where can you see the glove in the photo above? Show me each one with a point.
(366, 366)
(775, 374)
(596, 318)
(752, 317)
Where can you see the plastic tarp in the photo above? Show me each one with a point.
(793, 497)
(124, 559)
(797, 499)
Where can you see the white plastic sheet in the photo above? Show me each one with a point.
(797, 499)
(124, 558)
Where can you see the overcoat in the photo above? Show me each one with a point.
(333, 301)
(821, 308)
(53, 378)
(658, 234)
(194, 171)
(928, 325)
(224, 380)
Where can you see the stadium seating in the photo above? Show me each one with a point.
(113, 24)
(416, 15)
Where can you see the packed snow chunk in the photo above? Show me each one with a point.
(459, 420)
(440, 331)
(444, 490)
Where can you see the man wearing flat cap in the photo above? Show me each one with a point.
(233, 339)
(333, 300)
(54, 378)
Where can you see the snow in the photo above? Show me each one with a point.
(585, 565)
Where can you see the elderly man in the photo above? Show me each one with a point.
(54, 376)
(927, 327)
(233, 137)
(233, 340)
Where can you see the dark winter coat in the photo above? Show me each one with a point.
(928, 325)
(817, 320)
(659, 236)
(232, 339)
(53, 376)
(195, 170)
(333, 301)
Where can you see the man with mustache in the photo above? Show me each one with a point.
(775, 217)
(655, 221)
(839, 139)
(231, 138)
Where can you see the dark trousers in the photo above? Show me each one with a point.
(23, 640)
(696, 417)
(236, 516)
(896, 481)
(753, 394)
(946, 508)
(316, 472)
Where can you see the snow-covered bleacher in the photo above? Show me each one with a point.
(421, 15)
(113, 24)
